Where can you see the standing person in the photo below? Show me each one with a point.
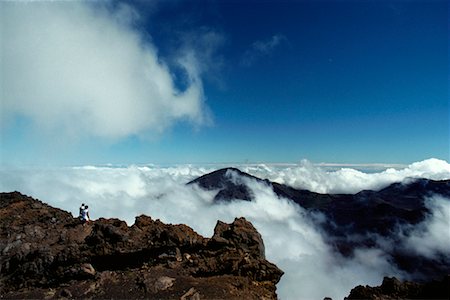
(81, 210)
(85, 214)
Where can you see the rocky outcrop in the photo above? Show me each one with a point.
(46, 253)
(392, 288)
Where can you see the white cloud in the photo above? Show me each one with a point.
(347, 180)
(202, 47)
(262, 48)
(82, 68)
(265, 47)
(293, 240)
(432, 236)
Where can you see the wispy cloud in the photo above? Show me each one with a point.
(260, 49)
(84, 69)
(202, 46)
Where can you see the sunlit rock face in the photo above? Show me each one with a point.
(47, 253)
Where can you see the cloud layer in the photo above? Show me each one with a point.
(348, 180)
(313, 269)
(83, 69)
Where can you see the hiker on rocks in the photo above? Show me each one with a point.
(85, 214)
(81, 210)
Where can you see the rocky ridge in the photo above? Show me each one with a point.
(46, 253)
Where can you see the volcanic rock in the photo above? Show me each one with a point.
(392, 288)
(46, 253)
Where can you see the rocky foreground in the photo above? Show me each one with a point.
(46, 253)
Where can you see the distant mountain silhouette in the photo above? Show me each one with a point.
(228, 183)
(405, 201)
(367, 214)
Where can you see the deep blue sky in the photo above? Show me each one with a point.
(329, 81)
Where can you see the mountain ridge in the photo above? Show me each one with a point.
(367, 214)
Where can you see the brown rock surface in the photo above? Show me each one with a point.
(46, 253)
(392, 288)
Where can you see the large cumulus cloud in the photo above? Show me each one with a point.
(82, 68)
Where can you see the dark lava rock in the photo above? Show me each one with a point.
(46, 253)
(392, 288)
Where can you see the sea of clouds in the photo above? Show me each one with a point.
(291, 235)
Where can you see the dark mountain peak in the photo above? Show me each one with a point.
(229, 183)
(220, 178)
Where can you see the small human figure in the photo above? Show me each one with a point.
(81, 210)
(85, 214)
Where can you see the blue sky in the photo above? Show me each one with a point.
(329, 81)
